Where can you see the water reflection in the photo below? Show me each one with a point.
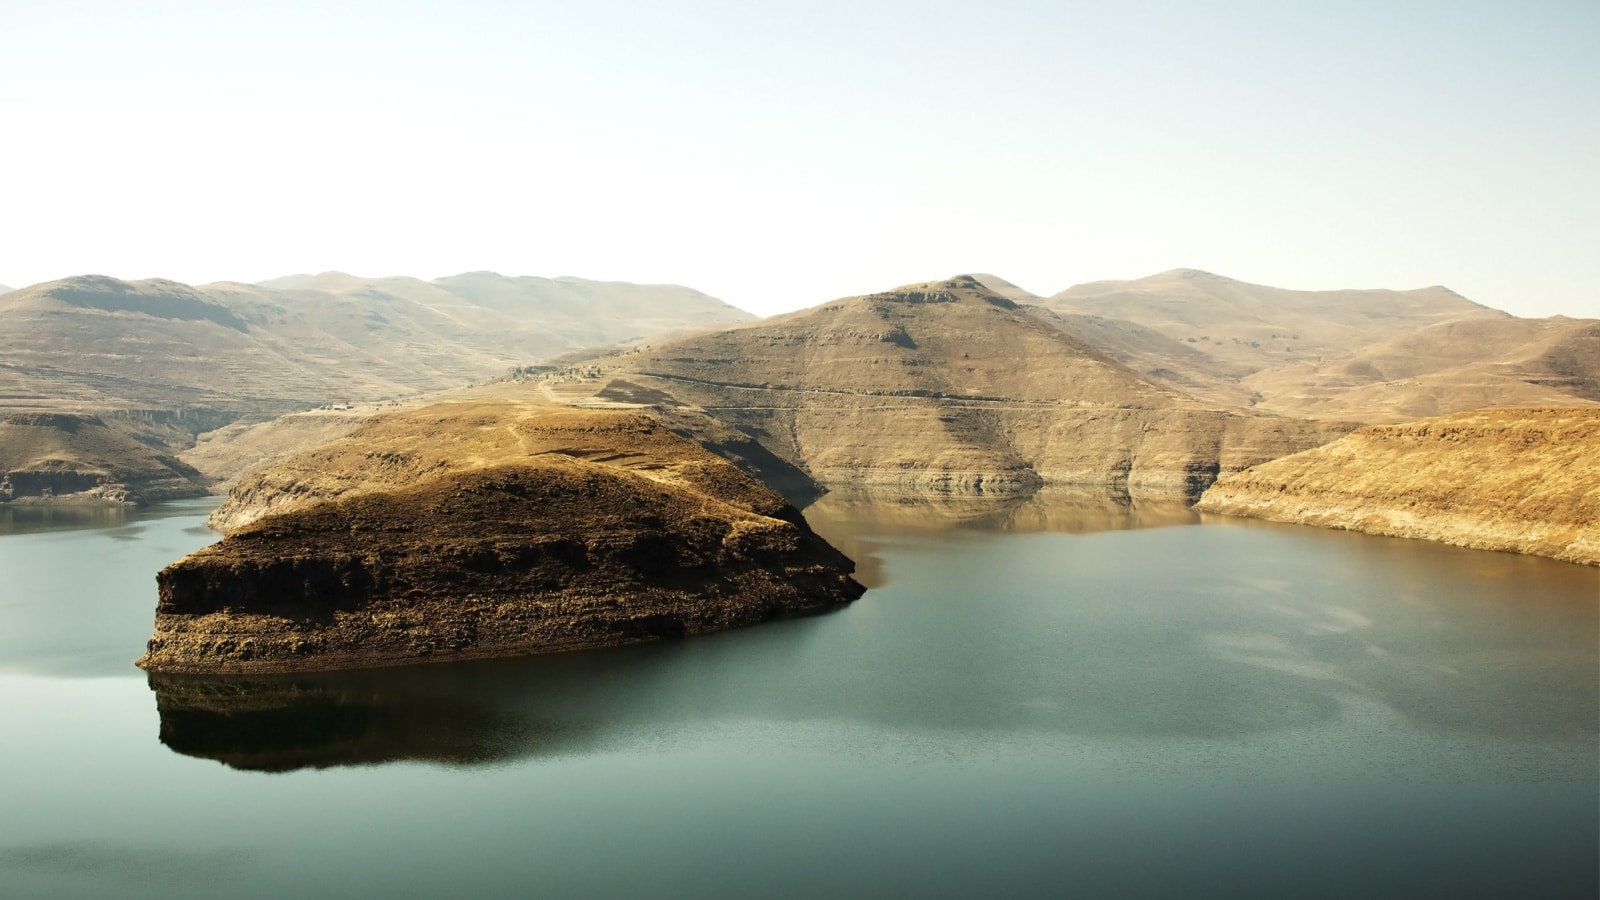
(1073, 510)
(1257, 643)
(863, 523)
(51, 517)
(460, 714)
(119, 521)
(286, 723)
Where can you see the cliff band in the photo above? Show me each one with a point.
(949, 387)
(474, 530)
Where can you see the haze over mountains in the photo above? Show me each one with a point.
(215, 352)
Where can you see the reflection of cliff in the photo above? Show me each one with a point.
(277, 725)
(858, 521)
(474, 713)
(1067, 509)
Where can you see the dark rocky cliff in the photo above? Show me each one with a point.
(499, 530)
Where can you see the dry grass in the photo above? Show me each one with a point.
(1526, 480)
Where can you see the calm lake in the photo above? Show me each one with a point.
(1064, 698)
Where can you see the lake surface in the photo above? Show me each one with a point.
(1068, 697)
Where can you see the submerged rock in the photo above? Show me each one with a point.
(477, 530)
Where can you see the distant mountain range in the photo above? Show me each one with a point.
(211, 353)
(1358, 355)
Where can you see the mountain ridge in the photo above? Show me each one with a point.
(944, 386)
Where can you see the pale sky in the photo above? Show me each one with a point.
(778, 155)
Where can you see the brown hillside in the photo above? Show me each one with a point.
(207, 355)
(1445, 368)
(470, 530)
(1158, 358)
(57, 457)
(1526, 480)
(1005, 288)
(945, 386)
(1256, 327)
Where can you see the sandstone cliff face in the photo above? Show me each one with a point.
(487, 529)
(1524, 480)
(66, 458)
(949, 387)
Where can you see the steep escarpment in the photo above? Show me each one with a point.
(483, 529)
(1525, 480)
(949, 387)
(61, 457)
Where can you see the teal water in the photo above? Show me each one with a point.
(1072, 700)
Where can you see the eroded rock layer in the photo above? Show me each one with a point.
(487, 529)
(1524, 480)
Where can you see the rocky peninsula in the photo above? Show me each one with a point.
(483, 529)
(1523, 480)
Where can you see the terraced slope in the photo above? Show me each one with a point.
(946, 386)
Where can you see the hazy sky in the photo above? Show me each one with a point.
(779, 155)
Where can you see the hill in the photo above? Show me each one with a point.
(1526, 480)
(1353, 355)
(175, 360)
(1254, 327)
(946, 386)
(490, 528)
(1158, 357)
(1445, 368)
(57, 457)
(1005, 288)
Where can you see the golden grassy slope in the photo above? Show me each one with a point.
(1525, 480)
